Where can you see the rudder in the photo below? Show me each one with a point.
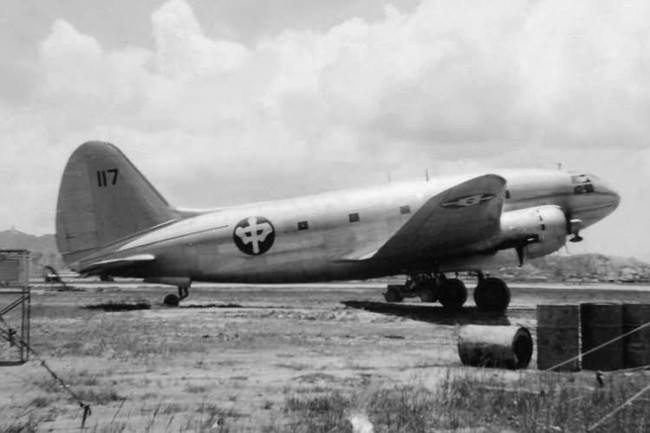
(103, 198)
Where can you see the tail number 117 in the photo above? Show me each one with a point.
(107, 177)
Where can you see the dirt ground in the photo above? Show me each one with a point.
(234, 354)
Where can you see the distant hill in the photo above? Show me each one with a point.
(582, 268)
(43, 248)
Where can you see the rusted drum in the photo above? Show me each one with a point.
(558, 337)
(636, 346)
(602, 322)
(495, 346)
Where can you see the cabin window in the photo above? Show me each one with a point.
(303, 225)
(404, 210)
(354, 217)
(582, 184)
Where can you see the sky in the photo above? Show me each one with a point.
(220, 102)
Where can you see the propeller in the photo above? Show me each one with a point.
(573, 227)
(520, 254)
(520, 248)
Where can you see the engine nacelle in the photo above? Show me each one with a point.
(539, 230)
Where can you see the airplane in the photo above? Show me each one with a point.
(111, 221)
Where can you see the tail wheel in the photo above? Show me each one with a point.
(393, 294)
(452, 293)
(492, 294)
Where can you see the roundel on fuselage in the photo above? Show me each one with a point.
(254, 235)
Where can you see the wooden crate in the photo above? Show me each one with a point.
(14, 268)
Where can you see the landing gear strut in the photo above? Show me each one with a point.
(172, 300)
(491, 294)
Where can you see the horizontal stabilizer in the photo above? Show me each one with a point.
(459, 216)
(108, 266)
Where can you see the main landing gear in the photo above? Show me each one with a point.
(490, 294)
(172, 300)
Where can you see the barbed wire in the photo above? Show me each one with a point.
(600, 346)
(8, 335)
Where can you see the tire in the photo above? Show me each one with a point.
(452, 294)
(393, 294)
(427, 290)
(492, 295)
(171, 300)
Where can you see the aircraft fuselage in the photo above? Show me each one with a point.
(326, 236)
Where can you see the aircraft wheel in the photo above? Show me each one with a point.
(492, 294)
(427, 290)
(452, 293)
(393, 294)
(171, 300)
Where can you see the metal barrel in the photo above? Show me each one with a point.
(558, 337)
(636, 346)
(602, 322)
(495, 346)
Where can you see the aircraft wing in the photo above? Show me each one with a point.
(107, 266)
(459, 216)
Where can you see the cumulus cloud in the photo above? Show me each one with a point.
(448, 85)
(183, 51)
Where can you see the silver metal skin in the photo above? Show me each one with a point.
(465, 222)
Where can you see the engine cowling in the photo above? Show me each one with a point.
(537, 231)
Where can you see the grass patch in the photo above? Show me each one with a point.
(402, 409)
(171, 408)
(20, 427)
(209, 418)
(321, 414)
(196, 389)
(555, 403)
(532, 404)
(296, 366)
(99, 396)
(41, 401)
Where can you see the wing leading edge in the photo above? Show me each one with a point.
(459, 216)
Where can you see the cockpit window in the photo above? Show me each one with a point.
(582, 184)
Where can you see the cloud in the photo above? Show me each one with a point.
(447, 85)
(183, 51)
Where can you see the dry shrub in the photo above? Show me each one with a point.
(401, 409)
(320, 414)
(553, 402)
(535, 403)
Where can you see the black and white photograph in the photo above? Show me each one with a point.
(359, 216)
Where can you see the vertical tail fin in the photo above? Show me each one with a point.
(103, 198)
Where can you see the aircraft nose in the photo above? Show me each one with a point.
(613, 198)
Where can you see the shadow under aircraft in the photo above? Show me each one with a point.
(432, 314)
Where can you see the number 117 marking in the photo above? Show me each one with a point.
(104, 180)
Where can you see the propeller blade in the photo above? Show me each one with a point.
(520, 255)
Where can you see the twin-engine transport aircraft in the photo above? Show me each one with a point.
(111, 221)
